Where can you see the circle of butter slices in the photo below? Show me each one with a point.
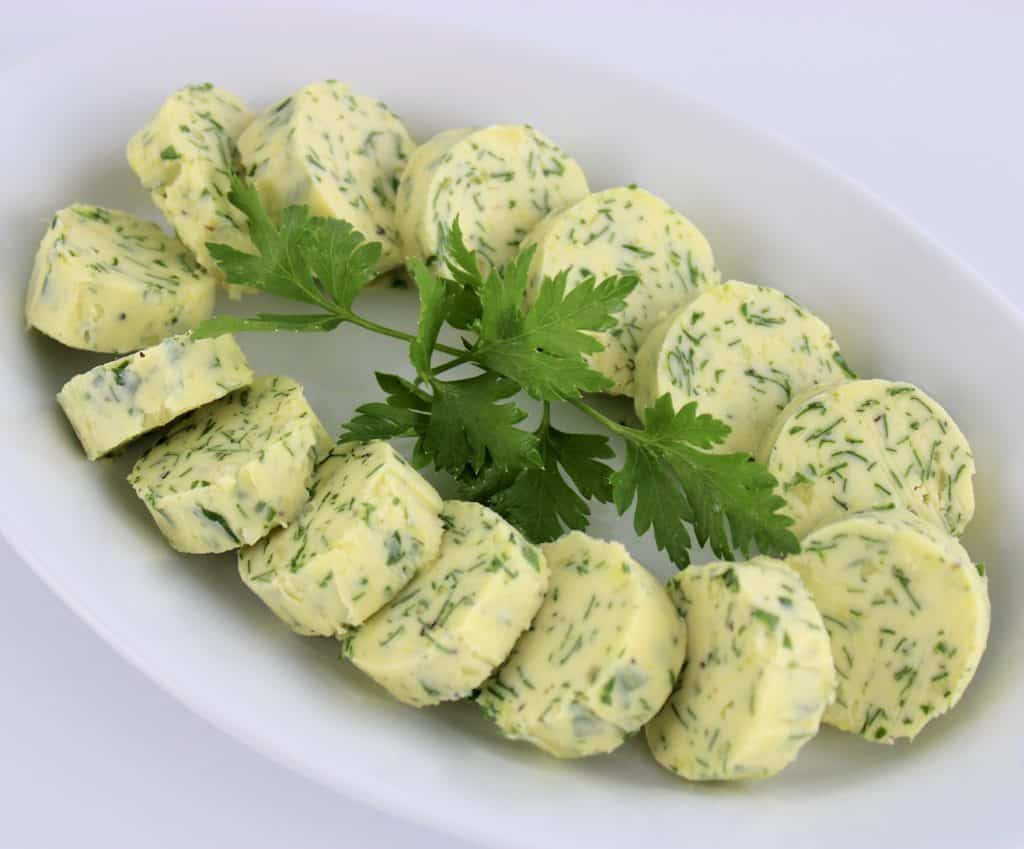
(228, 473)
(870, 445)
(908, 615)
(625, 231)
(498, 181)
(337, 152)
(600, 659)
(758, 674)
(740, 352)
(371, 523)
(459, 618)
(106, 281)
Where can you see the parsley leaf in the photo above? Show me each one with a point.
(580, 455)
(540, 502)
(659, 502)
(320, 261)
(462, 263)
(281, 267)
(728, 499)
(463, 281)
(470, 427)
(460, 425)
(483, 487)
(405, 413)
(343, 261)
(543, 480)
(542, 346)
(433, 309)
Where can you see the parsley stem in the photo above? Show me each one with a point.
(613, 426)
(461, 359)
(384, 330)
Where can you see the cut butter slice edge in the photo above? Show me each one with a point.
(184, 157)
(371, 523)
(600, 659)
(460, 617)
(499, 181)
(335, 151)
(106, 281)
(758, 675)
(228, 473)
(870, 445)
(908, 615)
(114, 403)
(742, 353)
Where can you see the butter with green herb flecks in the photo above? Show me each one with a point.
(117, 402)
(341, 154)
(908, 615)
(742, 353)
(625, 231)
(227, 474)
(870, 445)
(601, 658)
(499, 181)
(758, 673)
(185, 157)
(371, 523)
(106, 281)
(459, 618)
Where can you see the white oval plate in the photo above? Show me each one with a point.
(901, 307)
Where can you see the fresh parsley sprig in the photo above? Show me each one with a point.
(728, 500)
(515, 339)
(323, 262)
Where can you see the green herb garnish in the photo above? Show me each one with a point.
(542, 479)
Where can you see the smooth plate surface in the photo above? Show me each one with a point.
(900, 307)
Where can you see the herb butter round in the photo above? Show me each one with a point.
(498, 181)
(742, 353)
(758, 674)
(908, 615)
(459, 618)
(600, 659)
(337, 152)
(371, 523)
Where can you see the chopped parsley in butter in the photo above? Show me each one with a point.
(870, 445)
(908, 615)
(371, 523)
(227, 474)
(185, 157)
(498, 181)
(459, 618)
(106, 281)
(339, 153)
(601, 658)
(758, 673)
(117, 402)
(742, 353)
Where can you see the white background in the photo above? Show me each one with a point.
(918, 101)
